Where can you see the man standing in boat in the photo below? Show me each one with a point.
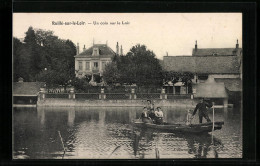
(203, 111)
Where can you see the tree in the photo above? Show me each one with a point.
(146, 69)
(139, 66)
(17, 45)
(42, 49)
(111, 73)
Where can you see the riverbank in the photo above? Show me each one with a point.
(188, 103)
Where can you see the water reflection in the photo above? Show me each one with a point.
(109, 133)
(199, 146)
(71, 117)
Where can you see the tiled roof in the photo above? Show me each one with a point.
(104, 51)
(27, 88)
(210, 90)
(232, 84)
(203, 65)
(216, 51)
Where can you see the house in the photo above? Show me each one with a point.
(92, 61)
(202, 67)
(234, 88)
(222, 65)
(213, 90)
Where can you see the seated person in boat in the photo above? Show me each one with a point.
(144, 116)
(203, 111)
(158, 116)
(152, 115)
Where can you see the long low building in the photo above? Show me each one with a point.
(224, 69)
(26, 93)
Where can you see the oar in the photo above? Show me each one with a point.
(115, 150)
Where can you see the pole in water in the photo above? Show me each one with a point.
(62, 144)
(213, 118)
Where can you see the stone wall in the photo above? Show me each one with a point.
(188, 103)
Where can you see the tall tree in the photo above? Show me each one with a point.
(17, 45)
(139, 66)
(43, 50)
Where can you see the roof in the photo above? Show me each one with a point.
(27, 88)
(232, 84)
(203, 65)
(210, 90)
(104, 51)
(216, 51)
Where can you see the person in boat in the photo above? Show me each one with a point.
(158, 116)
(189, 117)
(152, 115)
(149, 105)
(144, 116)
(203, 111)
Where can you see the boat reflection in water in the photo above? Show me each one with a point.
(193, 145)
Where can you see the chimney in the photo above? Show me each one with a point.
(117, 48)
(84, 49)
(20, 79)
(77, 48)
(237, 45)
(121, 50)
(196, 46)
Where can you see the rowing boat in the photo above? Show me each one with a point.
(175, 127)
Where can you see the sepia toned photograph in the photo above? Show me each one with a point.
(127, 86)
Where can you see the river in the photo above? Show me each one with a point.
(108, 133)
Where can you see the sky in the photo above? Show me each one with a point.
(174, 33)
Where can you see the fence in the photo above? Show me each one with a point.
(57, 95)
(117, 96)
(178, 96)
(148, 95)
(91, 96)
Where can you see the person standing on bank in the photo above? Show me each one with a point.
(203, 111)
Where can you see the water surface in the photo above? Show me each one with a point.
(108, 133)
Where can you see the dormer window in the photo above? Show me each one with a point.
(95, 51)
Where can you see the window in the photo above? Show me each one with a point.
(203, 77)
(103, 65)
(80, 65)
(95, 51)
(87, 66)
(95, 65)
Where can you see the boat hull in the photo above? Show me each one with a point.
(193, 128)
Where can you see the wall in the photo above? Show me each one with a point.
(216, 76)
(225, 75)
(187, 103)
